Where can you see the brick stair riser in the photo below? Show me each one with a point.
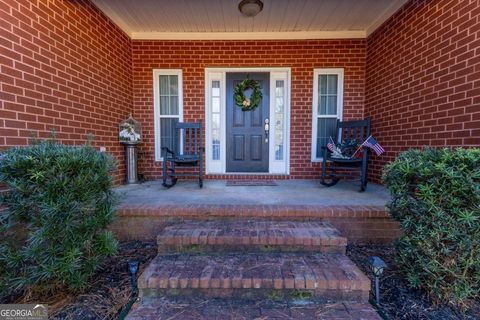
(251, 235)
(358, 227)
(231, 240)
(299, 283)
(197, 248)
(317, 295)
(205, 212)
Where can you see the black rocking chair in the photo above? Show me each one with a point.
(334, 168)
(188, 152)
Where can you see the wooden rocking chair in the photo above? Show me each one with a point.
(188, 152)
(334, 168)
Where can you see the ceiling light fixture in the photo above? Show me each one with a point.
(250, 8)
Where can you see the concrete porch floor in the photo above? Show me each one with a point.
(287, 192)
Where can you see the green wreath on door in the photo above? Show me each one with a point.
(247, 103)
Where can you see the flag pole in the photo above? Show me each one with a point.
(356, 151)
(363, 143)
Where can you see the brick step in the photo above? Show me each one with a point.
(251, 235)
(256, 275)
(203, 309)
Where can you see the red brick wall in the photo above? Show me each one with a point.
(301, 56)
(64, 66)
(423, 77)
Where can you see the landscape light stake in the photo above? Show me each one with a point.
(377, 266)
(133, 268)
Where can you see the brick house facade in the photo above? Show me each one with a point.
(301, 56)
(423, 78)
(66, 66)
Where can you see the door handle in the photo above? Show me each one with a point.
(267, 129)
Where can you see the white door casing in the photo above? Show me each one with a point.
(215, 119)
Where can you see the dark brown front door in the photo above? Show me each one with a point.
(247, 141)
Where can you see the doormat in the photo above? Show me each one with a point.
(251, 183)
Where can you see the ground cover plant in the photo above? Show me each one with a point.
(56, 210)
(436, 198)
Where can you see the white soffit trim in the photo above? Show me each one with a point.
(300, 35)
(394, 7)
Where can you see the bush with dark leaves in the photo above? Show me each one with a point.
(60, 198)
(436, 198)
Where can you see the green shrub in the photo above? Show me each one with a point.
(61, 196)
(436, 198)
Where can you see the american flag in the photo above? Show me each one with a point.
(330, 144)
(373, 144)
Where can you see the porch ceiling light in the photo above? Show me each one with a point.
(250, 8)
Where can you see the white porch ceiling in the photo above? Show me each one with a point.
(220, 19)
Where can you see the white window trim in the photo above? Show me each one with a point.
(317, 72)
(219, 166)
(156, 104)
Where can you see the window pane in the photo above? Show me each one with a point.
(322, 105)
(216, 152)
(279, 104)
(168, 95)
(215, 136)
(173, 85)
(167, 133)
(216, 88)
(173, 105)
(164, 105)
(279, 88)
(215, 145)
(216, 121)
(169, 105)
(328, 95)
(332, 105)
(332, 80)
(279, 152)
(164, 85)
(215, 104)
(322, 84)
(325, 128)
(279, 119)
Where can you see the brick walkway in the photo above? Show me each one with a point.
(198, 309)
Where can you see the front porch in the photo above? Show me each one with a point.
(147, 208)
(248, 243)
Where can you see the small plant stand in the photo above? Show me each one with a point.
(131, 161)
(130, 134)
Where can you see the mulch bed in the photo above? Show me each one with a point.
(398, 300)
(108, 293)
(110, 289)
